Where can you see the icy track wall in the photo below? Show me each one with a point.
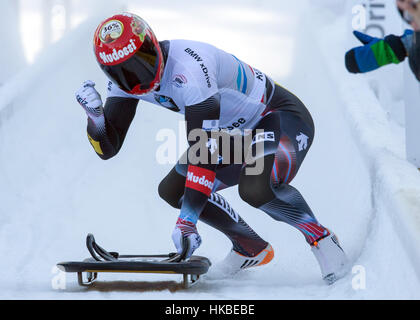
(13, 92)
(395, 182)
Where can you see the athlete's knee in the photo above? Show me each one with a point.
(255, 190)
(171, 189)
(166, 194)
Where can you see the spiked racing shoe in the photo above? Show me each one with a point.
(331, 258)
(235, 262)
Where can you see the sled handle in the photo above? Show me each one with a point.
(179, 257)
(95, 249)
(90, 240)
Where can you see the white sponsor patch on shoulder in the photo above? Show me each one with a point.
(179, 81)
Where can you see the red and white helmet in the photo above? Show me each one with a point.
(128, 52)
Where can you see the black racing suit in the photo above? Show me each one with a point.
(292, 132)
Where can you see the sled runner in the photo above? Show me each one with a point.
(103, 261)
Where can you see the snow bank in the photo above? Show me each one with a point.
(12, 43)
(54, 56)
(396, 183)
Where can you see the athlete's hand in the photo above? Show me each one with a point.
(186, 238)
(90, 99)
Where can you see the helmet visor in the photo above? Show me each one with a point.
(138, 71)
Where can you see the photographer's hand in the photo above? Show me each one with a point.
(376, 52)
